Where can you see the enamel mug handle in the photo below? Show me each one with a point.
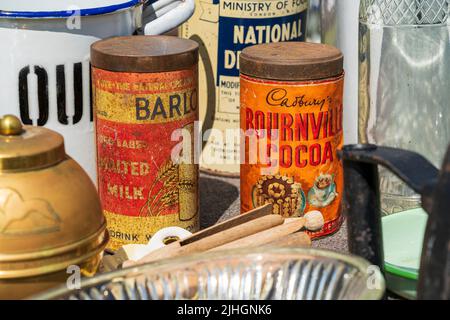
(164, 15)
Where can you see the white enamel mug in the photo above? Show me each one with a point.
(44, 59)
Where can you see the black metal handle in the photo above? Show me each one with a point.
(434, 278)
(362, 204)
(362, 207)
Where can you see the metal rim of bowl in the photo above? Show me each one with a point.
(357, 262)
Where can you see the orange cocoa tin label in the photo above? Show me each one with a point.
(142, 189)
(292, 133)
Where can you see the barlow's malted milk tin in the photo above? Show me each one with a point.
(223, 28)
(144, 91)
(291, 113)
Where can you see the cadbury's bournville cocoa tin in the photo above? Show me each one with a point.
(291, 114)
(144, 92)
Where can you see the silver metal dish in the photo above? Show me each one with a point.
(256, 274)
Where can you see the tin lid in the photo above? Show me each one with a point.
(144, 54)
(292, 61)
(27, 147)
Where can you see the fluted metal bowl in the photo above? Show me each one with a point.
(257, 274)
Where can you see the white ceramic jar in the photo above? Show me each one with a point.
(339, 27)
(347, 40)
(44, 59)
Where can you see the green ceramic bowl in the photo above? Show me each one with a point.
(403, 235)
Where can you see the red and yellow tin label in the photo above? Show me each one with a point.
(141, 188)
(292, 133)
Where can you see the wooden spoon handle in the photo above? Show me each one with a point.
(265, 236)
(298, 239)
(236, 221)
(215, 240)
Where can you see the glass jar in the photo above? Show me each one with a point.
(404, 84)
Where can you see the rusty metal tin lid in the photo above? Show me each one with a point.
(292, 61)
(144, 54)
(28, 148)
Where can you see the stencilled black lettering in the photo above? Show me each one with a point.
(24, 106)
(42, 95)
(61, 94)
(43, 100)
(42, 79)
(78, 91)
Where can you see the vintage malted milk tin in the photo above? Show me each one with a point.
(291, 114)
(144, 91)
(223, 28)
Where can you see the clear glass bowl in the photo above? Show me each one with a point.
(257, 274)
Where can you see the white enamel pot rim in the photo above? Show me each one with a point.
(161, 15)
(63, 8)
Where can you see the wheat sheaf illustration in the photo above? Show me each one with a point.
(19, 216)
(159, 200)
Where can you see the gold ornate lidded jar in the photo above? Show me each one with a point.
(50, 213)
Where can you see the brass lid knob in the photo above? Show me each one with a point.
(27, 147)
(10, 126)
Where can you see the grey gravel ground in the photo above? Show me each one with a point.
(219, 201)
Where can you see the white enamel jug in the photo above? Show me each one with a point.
(44, 59)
